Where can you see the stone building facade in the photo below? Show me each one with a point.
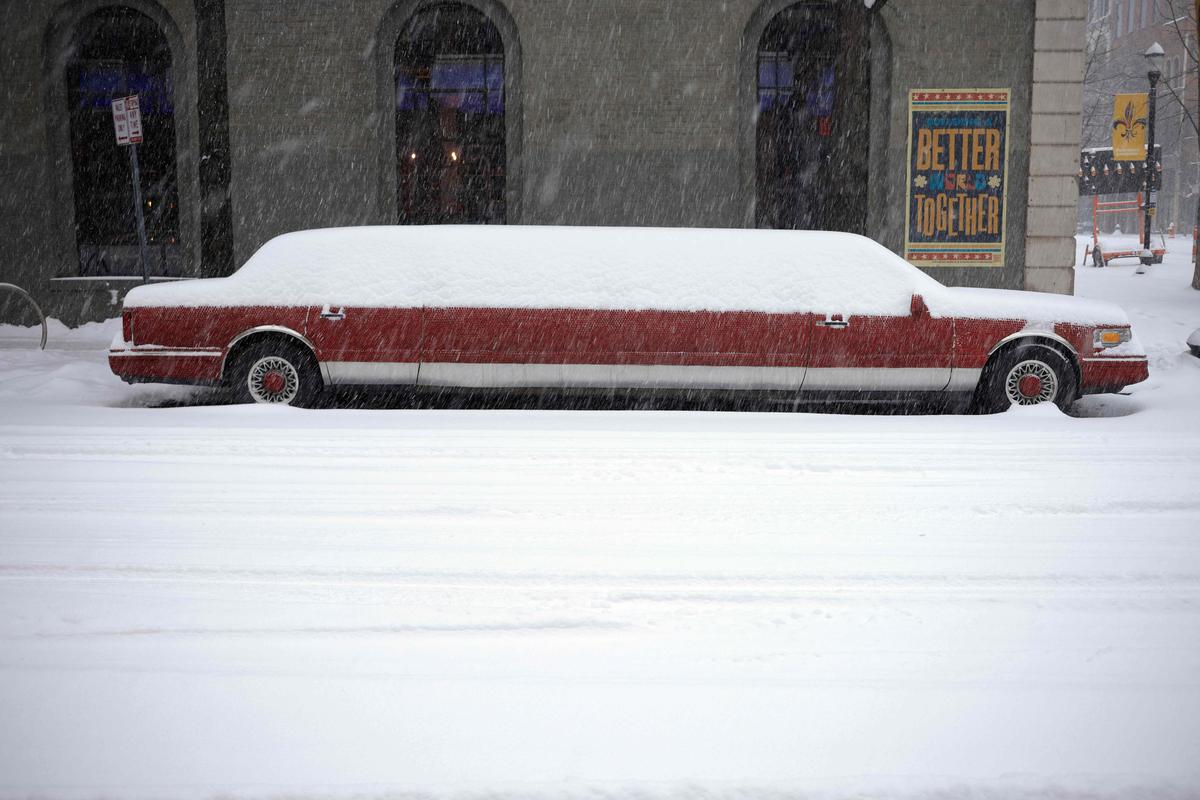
(265, 116)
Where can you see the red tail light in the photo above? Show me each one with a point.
(127, 326)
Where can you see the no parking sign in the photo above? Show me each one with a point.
(127, 120)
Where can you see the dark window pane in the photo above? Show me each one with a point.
(450, 117)
(457, 75)
(784, 74)
(495, 76)
(796, 54)
(766, 72)
(471, 103)
(117, 52)
(409, 99)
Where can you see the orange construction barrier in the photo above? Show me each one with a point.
(1101, 257)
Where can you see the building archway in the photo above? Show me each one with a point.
(112, 52)
(450, 107)
(395, 25)
(812, 103)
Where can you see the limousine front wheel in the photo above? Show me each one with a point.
(1028, 375)
(278, 374)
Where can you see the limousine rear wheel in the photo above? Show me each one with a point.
(1027, 375)
(278, 373)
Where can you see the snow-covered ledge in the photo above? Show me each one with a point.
(1054, 145)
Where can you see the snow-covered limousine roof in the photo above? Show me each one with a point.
(603, 268)
(560, 267)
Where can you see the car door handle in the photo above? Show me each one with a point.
(833, 323)
(328, 313)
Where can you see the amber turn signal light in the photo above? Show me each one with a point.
(1111, 337)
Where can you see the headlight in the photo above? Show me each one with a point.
(1111, 337)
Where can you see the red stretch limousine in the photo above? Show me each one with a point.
(813, 315)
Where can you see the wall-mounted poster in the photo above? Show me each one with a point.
(957, 177)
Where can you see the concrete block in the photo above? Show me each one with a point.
(1053, 98)
(1062, 9)
(1065, 65)
(1050, 221)
(1056, 129)
(1051, 190)
(1054, 159)
(1053, 252)
(1054, 281)
(1058, 34)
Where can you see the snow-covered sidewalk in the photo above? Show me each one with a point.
(248, 601)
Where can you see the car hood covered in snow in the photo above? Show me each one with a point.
(1035, 308)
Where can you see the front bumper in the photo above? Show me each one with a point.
(1101, 374)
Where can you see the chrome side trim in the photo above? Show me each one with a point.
(165, 352)
(640, 376)
(265, 329)
(271, 329)
(1029, 333)
(647, 376)
(963, 380)
(369, 372)
(907, 379)
(1115, 359)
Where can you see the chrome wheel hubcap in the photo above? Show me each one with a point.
(1031, 382)
(273, 380)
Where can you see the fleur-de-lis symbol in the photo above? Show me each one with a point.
(1129, 124)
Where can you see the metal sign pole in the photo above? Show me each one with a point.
(127, 125)
(137, 207)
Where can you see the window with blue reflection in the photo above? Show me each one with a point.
(100, 83)
(116, 52)
(796, 90)
(450, 117)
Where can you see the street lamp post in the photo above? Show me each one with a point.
(1154, 58)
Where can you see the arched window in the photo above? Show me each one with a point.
(116, 52)
(811, 130)
(450, 126)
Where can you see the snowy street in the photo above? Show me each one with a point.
(265, 601)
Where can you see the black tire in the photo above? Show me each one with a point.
(271, 371)
(1026, 375)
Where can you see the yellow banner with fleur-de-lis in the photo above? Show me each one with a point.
(1130, 113)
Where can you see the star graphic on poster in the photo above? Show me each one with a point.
(920, 181)
(994, 181)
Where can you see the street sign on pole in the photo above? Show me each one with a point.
(127, 122)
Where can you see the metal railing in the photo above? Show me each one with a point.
(13, 288)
